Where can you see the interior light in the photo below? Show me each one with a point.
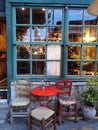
(43, 9)
(89, 39)
(23, 8)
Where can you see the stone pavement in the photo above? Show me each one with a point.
(21, 123)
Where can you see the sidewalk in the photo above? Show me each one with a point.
(21, 123)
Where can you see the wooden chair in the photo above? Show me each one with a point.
(19, 107)
(42, 118)
(67, 105)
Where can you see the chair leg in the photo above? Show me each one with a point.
(30, 122)
(11, 116)
(76, 111)
(60, 114)
(54, 122)
(28, 110)
(60, 119)
(43, 124)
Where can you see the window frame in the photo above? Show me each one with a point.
(64, 45)
(15, 42)
(82, 44)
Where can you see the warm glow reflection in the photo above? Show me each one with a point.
(87, 38)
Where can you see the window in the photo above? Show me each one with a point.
(82, 43)
(38, 39)
(55, 43)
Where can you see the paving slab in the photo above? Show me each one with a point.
(22, 124)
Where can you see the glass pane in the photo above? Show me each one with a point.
(88, 52)
(23, 51)
(88, 68)
(38, 52)
(22, 16)
(90, 34)
(55, 34)
(23, 67)
(75, 17)
(53, 52)
(54, 16)
(73, 68)
(90, 19)
(38, 33)
(75, 34)
(38, 16)
(97, 69)
(38, 68)
(53, 68)
(73, 52)
(2, 5)
(23, 33)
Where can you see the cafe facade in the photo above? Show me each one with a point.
(48, 40)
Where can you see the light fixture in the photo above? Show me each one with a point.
(43, 9)
(23, 8)
(93, 8)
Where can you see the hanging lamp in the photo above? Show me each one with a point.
(93, 8)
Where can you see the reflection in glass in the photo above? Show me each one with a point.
(53, 52)
(23, 33)
(75, 34)
(2, 5)
(75, 17)
(53, 68)
(22, 16)
(88, 68)
(23, 51)
(73, 52)
(54, 16)
(38, 68)
(38, 51)
(23, 67)
(97, 69)
(88, 52)
(90, 34)
(90, 19)
(39, 33)
(73, 68)
(38, 16)
(55, 33)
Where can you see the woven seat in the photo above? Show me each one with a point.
(67, 105)
(19, 107)
(20, 101)
(42, 118)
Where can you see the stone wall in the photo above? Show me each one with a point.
(77, 88)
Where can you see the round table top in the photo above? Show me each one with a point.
(47, 91)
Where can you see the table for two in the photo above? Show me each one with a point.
(47, 92)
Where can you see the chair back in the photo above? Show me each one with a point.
(64, 87)
(23, 88)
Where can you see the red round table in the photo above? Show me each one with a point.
(48, 91)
